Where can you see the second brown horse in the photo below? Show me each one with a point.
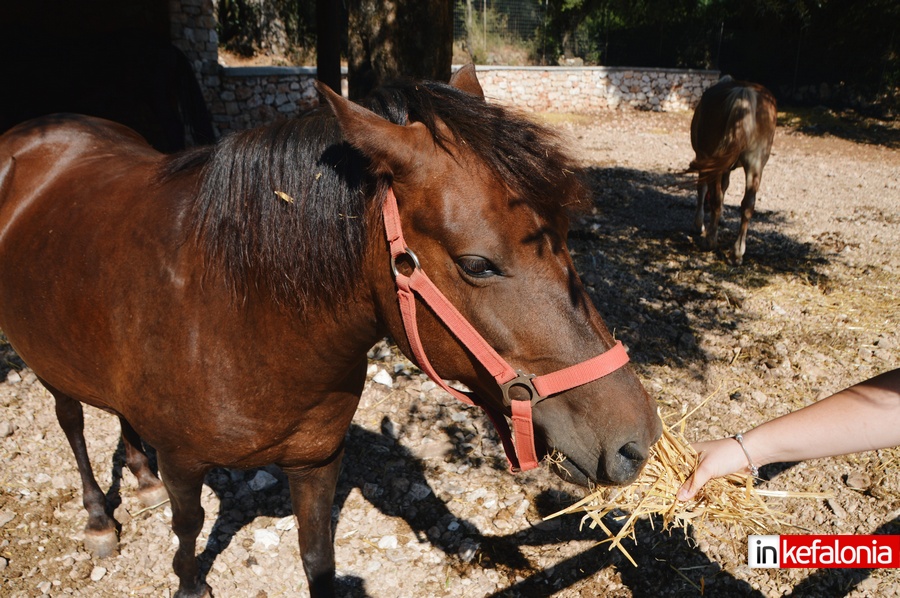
(733, 125)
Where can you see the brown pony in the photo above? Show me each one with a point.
(221, 301)
(734, 124)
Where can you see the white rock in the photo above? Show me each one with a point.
(389, 428)
(13, 377)
(265, 539)
(97, 573)
(467, 550)
(419, 491)
(387, 542)
(373, 566)
(286, 523)
(382, 377)
(263, 480)
(759, 396)
(476, 494)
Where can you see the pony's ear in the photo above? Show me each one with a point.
(465, 80)
(391, 148)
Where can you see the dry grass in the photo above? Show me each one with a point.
(732, 500)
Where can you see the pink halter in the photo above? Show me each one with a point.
(520, 453)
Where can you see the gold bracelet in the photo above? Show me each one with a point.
(753, 468)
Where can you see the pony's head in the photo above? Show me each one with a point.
(483, 197)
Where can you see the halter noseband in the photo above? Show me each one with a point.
(519, 452)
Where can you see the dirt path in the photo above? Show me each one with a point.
(424, 505)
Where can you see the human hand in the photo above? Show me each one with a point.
(717, 458)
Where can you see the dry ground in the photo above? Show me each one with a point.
(424, 505)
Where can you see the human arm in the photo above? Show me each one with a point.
(865, 416)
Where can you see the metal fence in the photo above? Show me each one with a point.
(501, 31)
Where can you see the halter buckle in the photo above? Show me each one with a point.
(522, 380)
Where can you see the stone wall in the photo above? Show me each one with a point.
(594, 89)
(192, 29)
(249, 96)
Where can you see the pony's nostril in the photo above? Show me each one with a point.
(633, 453)
(624, 465)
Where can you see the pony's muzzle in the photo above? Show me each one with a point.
(614, 468)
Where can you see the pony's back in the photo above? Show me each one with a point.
(727, 122)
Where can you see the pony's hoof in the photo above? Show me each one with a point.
(101, 544)
(153, 496)
(204, 592)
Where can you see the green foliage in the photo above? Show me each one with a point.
(492, 33)
(238, 26)
(793, 46)
(798, 48)
(246, 26)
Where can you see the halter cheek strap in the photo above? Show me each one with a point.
(520, 452)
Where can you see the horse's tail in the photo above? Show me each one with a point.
(740, 105)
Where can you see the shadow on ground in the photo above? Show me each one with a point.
(844, 124)
(384, 470)
(656, 289)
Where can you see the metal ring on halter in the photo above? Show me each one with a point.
(411, 254)
(522, 380)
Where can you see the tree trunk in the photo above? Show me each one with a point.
(394, 38)
(328, 44)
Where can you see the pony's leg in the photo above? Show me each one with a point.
(748, 205)
(716, 199)
(100, 532)
(151, 492)
(184, 484)
(312, 496)
(702, 190)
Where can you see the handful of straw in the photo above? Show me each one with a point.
(731, 499)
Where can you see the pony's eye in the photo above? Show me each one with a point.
(477, 267)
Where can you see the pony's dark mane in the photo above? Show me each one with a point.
(526, 156)
(285, 206)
